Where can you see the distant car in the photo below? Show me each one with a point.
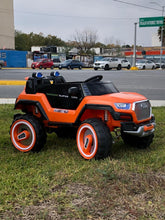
(145, 64)
(71, 64)
(107, 63)
(2, 63)
(43, 63)
(56, 62)
(125, 64)
(157, 62)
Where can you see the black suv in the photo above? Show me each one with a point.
(71, 64)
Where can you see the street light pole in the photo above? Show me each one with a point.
(161, 35)
(134, 49)
(161, 48)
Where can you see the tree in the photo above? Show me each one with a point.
(21, 41)
(159, 34)
(85, 40)
(25, 41)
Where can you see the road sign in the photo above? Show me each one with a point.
(151, 22)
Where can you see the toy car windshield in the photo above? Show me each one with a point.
(102, 88)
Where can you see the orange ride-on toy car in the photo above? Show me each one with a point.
(91, 110)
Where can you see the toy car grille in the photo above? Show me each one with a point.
(143, 110)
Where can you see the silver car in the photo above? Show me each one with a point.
(145, 64)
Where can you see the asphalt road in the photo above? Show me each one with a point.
(150, 83)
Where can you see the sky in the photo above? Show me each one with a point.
(112, 20)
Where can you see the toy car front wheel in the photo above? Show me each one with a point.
(27, 133)
(94, 139)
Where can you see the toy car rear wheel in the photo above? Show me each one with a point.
(40, 67)
(94, 139)
(27, 133)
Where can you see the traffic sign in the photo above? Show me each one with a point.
(151, 22)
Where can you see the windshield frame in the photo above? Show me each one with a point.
(100, 88)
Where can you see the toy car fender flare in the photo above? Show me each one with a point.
(34, 103)
(109, 108)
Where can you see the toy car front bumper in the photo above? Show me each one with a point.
(141, 130)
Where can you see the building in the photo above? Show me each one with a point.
(155, 40)
(7, 35)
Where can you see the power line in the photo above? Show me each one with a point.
(72, 16)
(133, 4)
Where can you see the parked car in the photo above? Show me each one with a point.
(71, 64)
(125, 64)
(56, 62)
(2, 63)
(157, 62)
(43, 63)
(145, 64)
(107, 63)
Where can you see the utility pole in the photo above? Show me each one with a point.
(161, 36)
(134, 49)
(161, 48)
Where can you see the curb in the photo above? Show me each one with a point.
(12, 82)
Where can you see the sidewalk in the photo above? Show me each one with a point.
(154, 103)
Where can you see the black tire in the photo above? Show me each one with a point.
(138, 142)
(40, 67)
(27, 133)
(52, 67)
(153, 67)
(94, 139)
(106, 67)
(0, 66)
(68, 67)
(80, 67)
(95, 68)
(128, 67)
(119, 67)
(144, 67)
(60, 67)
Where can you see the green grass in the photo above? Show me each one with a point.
(57, 183)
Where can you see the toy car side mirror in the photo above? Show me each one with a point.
(73, 91)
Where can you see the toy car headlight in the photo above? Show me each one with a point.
(125, 106)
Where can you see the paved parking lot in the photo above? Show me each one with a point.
(149, 83)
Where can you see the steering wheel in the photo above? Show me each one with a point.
(94, 78)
